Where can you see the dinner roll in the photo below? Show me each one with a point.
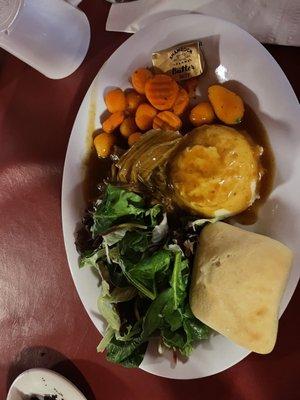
(237, 284)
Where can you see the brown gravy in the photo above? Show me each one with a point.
(96, 170)
(255, 129)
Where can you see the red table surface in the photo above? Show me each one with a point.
(42, 321)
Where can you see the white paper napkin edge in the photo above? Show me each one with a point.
(283, 19)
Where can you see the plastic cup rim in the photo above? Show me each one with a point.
(15, 6)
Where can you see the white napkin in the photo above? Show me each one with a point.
(269, 21)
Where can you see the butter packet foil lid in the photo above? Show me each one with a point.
(182, 61)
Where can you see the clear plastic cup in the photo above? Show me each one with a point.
(52, 36)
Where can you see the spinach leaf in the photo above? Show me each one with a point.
(188, 334)
(134, 244)
(119, 351)
(131, 332)
(154, 317)
(117, 204)
(180, 329)
(173, 311)
(173, 339)
(179, 280)
(195, 330)
(173, 318)
(135, 358)
(143, 275)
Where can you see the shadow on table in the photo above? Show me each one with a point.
(45, 357)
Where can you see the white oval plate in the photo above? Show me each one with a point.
(231, 55)
(41, 382)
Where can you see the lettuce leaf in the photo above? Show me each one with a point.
(160, 231)
(116, 233)
(116, 205)
(90, 259)
(145, 277)
(106, 339)
(107, 308)
(122, 294)
(200, 222)
(144, 274)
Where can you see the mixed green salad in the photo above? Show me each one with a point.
(144, 265)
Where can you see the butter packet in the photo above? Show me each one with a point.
(182, 61)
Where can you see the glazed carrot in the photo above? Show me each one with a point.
(167, 121)
(115, 100)
(103, 144)
(133, 99)
(144, 116)
(202, 113)
(181, 102)
(113, 121)
(139, 79)
(161, 91)
(228, 106)
(128, 127)
(134, 137)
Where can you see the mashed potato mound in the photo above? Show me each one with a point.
(216, 171)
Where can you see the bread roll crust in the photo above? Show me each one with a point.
(237, 284)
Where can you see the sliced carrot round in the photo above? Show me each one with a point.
(161, 91)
